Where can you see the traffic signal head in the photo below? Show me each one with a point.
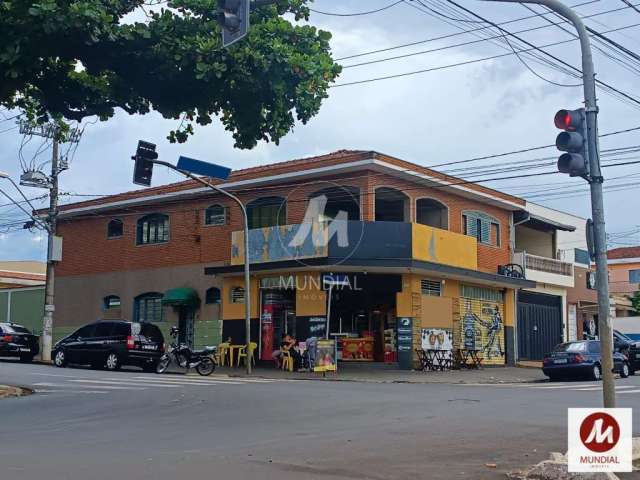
(233, 18)
(143, 168)
(573, 141)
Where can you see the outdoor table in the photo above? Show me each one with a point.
(467, 358)
(233, 348)
(434, 359)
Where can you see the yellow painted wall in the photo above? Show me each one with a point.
(409, 301)
(509, 308)
(311, 300)
(441, 246)
(437, 312)
(235, 311)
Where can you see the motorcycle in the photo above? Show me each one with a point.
(180, 353)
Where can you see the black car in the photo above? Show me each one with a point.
(111, 344)
(18, 341)
(580, 359)
(629, 348)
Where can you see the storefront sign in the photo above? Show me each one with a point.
(405, 343)
(325, 356)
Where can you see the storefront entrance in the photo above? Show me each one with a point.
(277, 317)
(363, 317)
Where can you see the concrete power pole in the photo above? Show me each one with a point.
(49, 306)
(595, 180)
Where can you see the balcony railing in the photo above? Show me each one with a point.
(544, 264)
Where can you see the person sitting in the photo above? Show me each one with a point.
(284, 346)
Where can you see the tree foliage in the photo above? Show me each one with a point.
(71, 59)
(635, 302)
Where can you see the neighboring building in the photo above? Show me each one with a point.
(624, 278)
(415, 246)
(22, 293)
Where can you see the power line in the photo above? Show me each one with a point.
(627, 2)
(334, 14)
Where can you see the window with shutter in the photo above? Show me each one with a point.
(431, 287)
(479, 225)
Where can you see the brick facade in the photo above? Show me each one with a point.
(88, 250)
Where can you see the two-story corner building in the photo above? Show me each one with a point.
(408, 245)
(624, 278)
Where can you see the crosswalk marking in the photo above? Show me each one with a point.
(571, 386)
(129, 385)
(629, 391)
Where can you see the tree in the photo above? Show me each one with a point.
(62, 59)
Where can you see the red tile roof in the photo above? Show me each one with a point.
(623, 252)
(333, 158)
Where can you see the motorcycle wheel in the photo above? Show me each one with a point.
(163, 364)
(206, 366)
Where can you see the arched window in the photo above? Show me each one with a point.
(338, 199)
(153, 228)
(433, 213)
(391, 205)
(110, 302)
(148, 307)
(212, 295)
(483, 227)
(215, 215)
(267, 212)
(115, 228)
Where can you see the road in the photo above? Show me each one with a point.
(83, 423)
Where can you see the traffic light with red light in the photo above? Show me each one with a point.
(143, 168)
(573, 141)
(233, 18)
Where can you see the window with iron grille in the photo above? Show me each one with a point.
(148, 307)
(482, 293)
(115, 228)
(215, 215)
(111, 301)
(212, 295)
(237, 295)
(431, 287)
(152, 228)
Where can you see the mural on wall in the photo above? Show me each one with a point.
(481, 328)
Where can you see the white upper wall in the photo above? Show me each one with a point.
(567, 241)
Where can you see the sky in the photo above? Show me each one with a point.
(447, 114)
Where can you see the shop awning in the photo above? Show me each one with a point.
(181, 297)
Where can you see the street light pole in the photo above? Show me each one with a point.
(595, 180)
(247, 277)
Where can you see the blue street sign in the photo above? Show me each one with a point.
(205, 169)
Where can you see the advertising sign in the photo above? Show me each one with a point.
(599, 440)
(325, 356)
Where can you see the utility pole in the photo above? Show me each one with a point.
(52, 219)
(595, 179)
(36, 178)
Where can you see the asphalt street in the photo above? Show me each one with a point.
(87, 424)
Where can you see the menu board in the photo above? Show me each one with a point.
(325, 356)
(318, 327)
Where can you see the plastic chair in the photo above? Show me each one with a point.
(287, 361)
(223, 353)
(242, 354)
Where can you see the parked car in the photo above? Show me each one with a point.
(629, 348)
(111, 344)
(18, 341)
(580, 359)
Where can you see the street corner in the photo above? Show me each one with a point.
(8, 391)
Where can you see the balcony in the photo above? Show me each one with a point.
(545, 270)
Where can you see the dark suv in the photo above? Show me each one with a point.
(17, 341)
(629, 348)
(111, 344)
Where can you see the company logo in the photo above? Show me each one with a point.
(331, 212)
(599, 440)
(600, 432)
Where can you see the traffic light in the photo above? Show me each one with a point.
(573, 141)
(143, 168)
(233, 18)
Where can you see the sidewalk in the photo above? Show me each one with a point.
(374, 373)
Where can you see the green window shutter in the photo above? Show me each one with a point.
(485, 231)
(472, 225)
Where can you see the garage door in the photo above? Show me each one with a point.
(539, 324)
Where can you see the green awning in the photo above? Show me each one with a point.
(181, 297)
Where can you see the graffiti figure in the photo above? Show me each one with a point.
(493, 334)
